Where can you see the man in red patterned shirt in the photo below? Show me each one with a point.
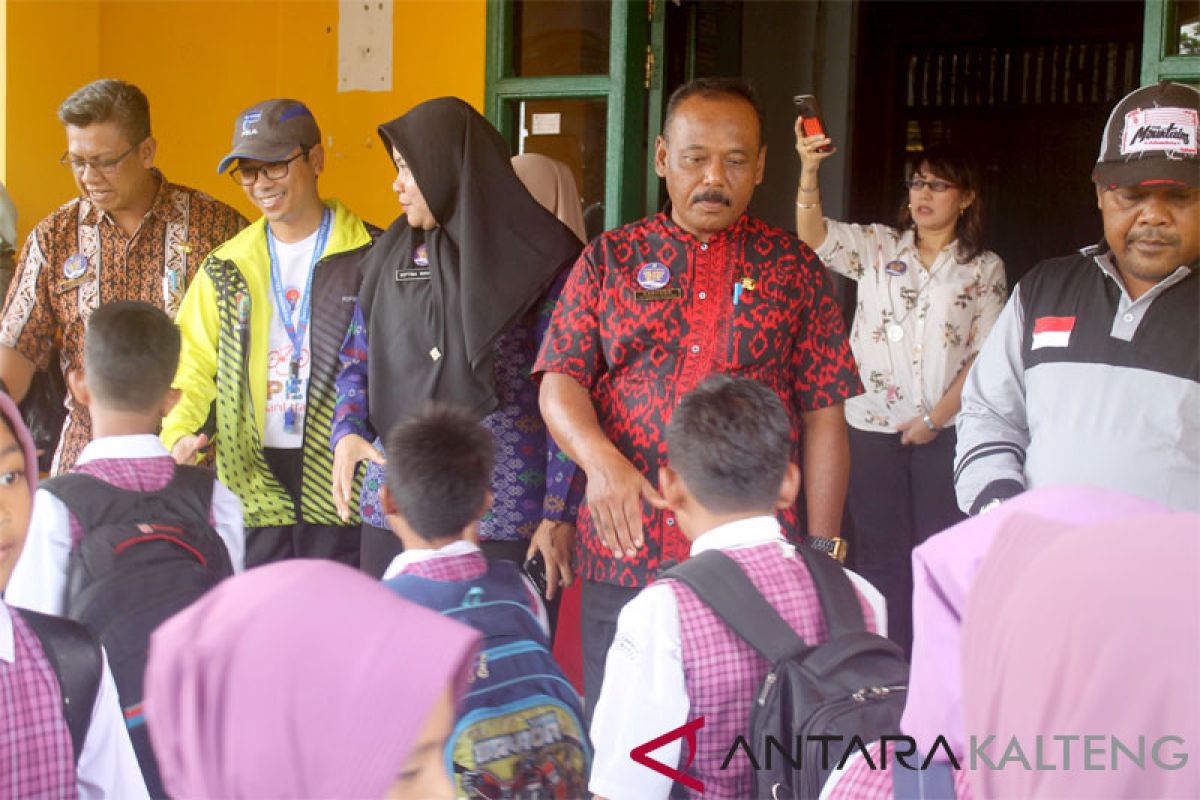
(654, 307)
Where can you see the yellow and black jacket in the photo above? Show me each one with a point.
(225, 318)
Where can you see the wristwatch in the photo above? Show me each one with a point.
(928, 420)
(835, 547)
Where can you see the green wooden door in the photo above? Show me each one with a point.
(1171, 41)
(570, 80)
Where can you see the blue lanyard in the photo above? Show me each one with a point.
(297, 331)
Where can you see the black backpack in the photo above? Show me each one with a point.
(854, 684)
(144, 557)
(74, 655)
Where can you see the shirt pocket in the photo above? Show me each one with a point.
(763, 326)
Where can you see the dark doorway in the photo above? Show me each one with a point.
(1025, 87)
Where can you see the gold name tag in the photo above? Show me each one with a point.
(651, 295)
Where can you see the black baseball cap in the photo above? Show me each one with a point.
(1150, 138)
(271, 130)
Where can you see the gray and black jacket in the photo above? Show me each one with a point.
(1079, 384)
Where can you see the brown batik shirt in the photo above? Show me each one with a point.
(78, 258)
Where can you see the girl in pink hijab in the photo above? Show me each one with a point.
(305, 679)
(1089, 632)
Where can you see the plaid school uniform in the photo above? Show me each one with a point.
(36, 756)
(463, 567)
(723, 673)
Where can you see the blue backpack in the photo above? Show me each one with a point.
(520, 732)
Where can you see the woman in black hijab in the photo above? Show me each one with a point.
(455, 298)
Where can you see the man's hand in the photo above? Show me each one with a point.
(188, 448)
(350, 450)
(915, 431)
(615, 492)
(554, 540)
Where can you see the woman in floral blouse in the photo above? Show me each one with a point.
(928, 294)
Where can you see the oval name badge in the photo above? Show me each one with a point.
(74, 266)
(896, 268)
(653, 276)
(421, 255)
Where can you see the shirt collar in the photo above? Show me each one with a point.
(8, 650)
(409, 557)
(1101, 254)
(675, 231)
(740, 533)
(142, 445)
(92, 215)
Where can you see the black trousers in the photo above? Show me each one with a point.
(899, 496)
(601, 604)
(304, 539)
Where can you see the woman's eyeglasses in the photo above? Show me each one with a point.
(935, 185)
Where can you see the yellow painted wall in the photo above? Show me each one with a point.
(202, 61)
(51, 48)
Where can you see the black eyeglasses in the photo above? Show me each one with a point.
(274, 171)
(105, 165)
(935, 185)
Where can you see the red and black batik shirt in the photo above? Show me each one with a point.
(649, 311)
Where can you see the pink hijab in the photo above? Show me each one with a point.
(1088, 631)
(13, 414)
(944, 570)
(553, 186)
(298, 679)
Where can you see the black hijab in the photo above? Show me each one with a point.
(432, 327)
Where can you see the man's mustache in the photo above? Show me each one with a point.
(711, 196)
(1171, 239)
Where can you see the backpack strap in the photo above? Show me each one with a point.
(86, 497)
(722, 585)
(839, 601)
(934, 783)
(199, 481)
(74, 655)
(95, 502)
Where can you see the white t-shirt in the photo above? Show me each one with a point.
(294, 261)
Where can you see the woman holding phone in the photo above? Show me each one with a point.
(928, 294)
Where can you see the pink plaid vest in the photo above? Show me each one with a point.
(723, 673)
(136, 474)
(36, 757)
(465, 567)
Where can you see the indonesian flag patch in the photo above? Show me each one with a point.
(1052, 331)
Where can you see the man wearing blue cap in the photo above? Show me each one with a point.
(262, 325)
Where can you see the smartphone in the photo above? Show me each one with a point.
(535, 570)
(810, 118)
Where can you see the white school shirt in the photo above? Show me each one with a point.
(644, 694)
(945, 311)
(108, 767)
(462, 547)
(294, 260)
(39, 580)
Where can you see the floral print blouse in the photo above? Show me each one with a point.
(914, 327)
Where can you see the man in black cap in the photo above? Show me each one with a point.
(1092, 373)
(262, 325)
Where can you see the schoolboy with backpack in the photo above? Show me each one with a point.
(519, 733)
(61, 732)
(750, 638)
(128, 538)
